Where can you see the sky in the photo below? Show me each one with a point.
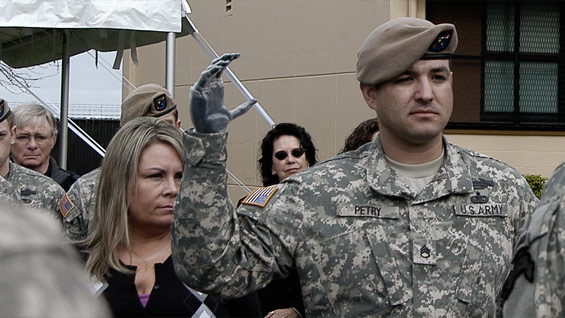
(94, 92)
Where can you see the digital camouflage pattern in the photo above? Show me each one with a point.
(7, 192)
(36, 190)
(82, 197)
(362, 244)
(40, 272)
(543, 257)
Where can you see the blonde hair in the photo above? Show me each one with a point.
(110, 226)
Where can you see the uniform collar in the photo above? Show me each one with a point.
(384, 180)
(10, 171)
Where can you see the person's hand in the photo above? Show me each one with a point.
(283, 313)
(207, 110)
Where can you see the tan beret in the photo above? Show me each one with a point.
(4, 110)
(394, 46)
(148, 100)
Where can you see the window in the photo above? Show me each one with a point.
(508, 67)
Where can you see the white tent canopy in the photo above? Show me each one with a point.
(34, 32)
(141, 15)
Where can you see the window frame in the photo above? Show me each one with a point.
(514, 120)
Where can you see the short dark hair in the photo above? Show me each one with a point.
(360, 135)
(265, 162)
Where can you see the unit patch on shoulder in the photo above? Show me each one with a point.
(260, 196)
(65, 205)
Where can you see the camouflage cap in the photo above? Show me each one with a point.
(148, 100)
(394, 46)
(4, 110)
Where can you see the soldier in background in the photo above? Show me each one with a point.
(33, 188)
(536, 285)
(7, 192)
(36, 135)
(149, 100)
(409, 225)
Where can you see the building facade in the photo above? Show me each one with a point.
(298, 60)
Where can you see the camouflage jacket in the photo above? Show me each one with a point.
(81, 200)
(36, 190)
(539, 263)
(361, 243)
(7, 192)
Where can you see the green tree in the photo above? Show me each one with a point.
(536, 182)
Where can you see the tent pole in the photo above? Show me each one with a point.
(229, 74)
(170, 64)
(56, 111)
(63, 116)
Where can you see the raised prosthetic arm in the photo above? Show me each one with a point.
(207, 110)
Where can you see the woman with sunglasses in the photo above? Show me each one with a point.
(285, 150)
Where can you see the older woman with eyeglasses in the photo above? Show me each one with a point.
(285, 150)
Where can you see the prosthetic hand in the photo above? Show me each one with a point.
(207, 110)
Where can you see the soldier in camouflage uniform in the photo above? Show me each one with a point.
(410, 225)
(81, 199)
(149, 100)
(7, 192)
(536, 285)
(34, 189)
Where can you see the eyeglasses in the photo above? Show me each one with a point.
(25, 139)
(296, 153)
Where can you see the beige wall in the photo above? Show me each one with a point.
(298, 60)
(529, 154)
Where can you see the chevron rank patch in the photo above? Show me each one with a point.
(260, 196)
(65, 205)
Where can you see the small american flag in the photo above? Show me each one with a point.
(260, 196)
(65, 205)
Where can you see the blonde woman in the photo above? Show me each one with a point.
(130, 243)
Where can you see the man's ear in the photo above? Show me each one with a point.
(369, 94)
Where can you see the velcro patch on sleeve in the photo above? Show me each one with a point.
(65, 205)
(260, 196)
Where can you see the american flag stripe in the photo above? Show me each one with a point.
(65, 205)
(260, 196)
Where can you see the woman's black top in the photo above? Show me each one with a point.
(171, 298)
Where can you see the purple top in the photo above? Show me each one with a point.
(144, 299)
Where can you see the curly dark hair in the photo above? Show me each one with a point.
(360, 135)
(265, 162)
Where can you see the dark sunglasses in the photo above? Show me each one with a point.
(296, 153)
